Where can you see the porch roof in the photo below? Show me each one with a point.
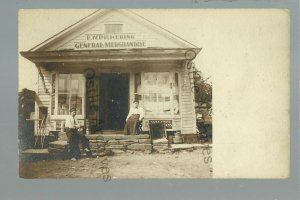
(109, 55)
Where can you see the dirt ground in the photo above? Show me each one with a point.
(123, 166)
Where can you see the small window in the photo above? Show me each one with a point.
(113, 28)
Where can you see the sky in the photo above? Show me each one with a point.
(36, 25)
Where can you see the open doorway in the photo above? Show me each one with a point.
(113, 100)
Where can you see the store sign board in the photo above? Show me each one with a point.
(108, 41)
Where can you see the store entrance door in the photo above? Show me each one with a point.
(113, 100)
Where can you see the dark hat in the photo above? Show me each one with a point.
(72, 109)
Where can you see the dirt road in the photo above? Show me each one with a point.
(123, 166)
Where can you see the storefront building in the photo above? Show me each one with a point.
(104, 62)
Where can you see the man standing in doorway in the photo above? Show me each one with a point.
(75, 133)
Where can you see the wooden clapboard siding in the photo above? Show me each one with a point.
(188, 120)
(142, 32)
(44, 98)
(47, 80)
(176, 124)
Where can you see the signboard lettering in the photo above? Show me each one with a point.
(104, 41)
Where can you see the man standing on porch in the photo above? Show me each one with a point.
(134, 118)
(75, 133)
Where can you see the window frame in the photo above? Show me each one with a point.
(171, 115)
(56, 115)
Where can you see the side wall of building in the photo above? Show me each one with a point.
(44, 97)
(188, 118)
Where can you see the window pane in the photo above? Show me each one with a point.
(76, 83)
(149, 103)
(174, 85)
(137, 84)
(152, 97)
(70, 93)
(76, 102)
(63, 104)
(163, 80)
(176, 96)
(166, 104)
(160, 98)
(176, 105)
(157, 88)
(63, 83)
(150, 83)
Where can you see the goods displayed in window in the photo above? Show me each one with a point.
(158, 92)
(70, 93)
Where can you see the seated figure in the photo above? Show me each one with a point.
(134, 119)
(75, 134)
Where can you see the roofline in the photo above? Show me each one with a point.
(60, 32)
(111, 55)
(162, 28)
(35, 48)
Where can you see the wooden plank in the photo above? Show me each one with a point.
(44, 97)
(47, 83)
(189, 116)
(186, 100)
(186, 115)
(187, 126)
(113, 54)
(187, 123)
(40, 84)
(187, 105)
(45, 102)
(35, 151)
(186, 94)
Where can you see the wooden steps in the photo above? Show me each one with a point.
(105, 132)
(100, 143)
(116, 136)
(34, 154)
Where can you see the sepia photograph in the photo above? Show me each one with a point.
(113, 94)
(154, 93)
(157, 100)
